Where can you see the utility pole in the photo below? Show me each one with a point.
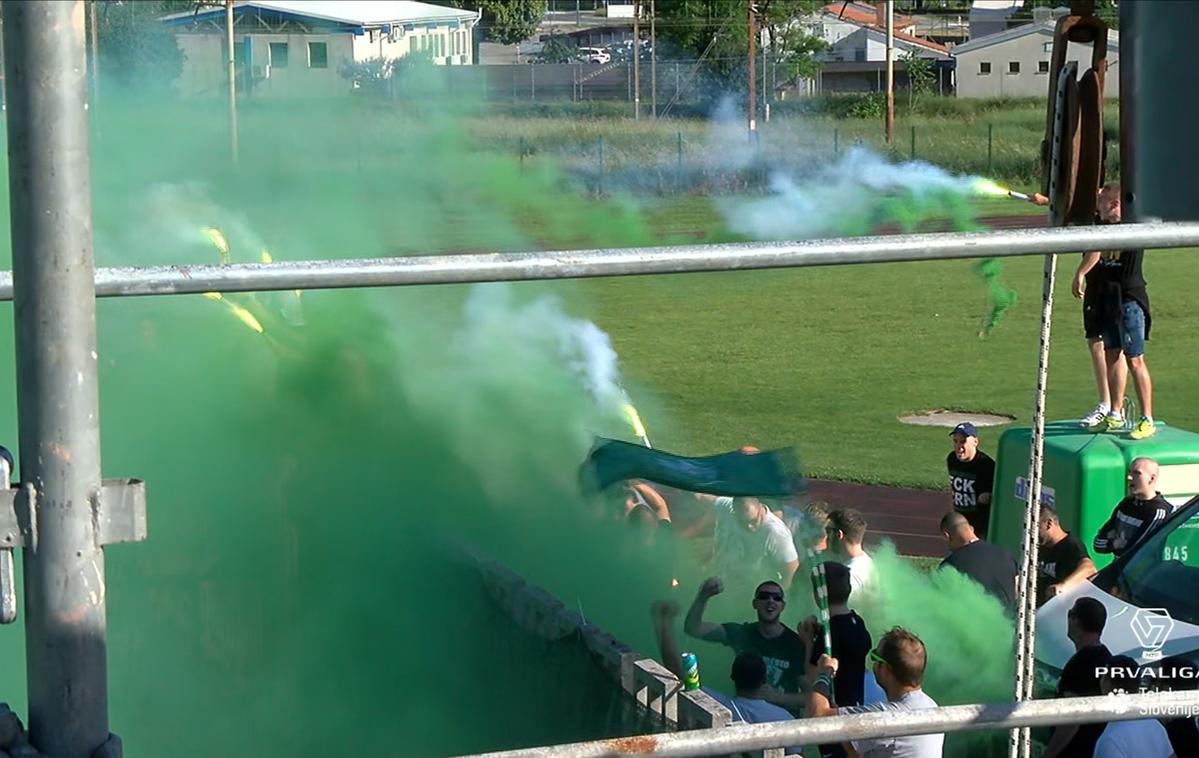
(653, 57)
(890, 72)
(636, 60)
(232, 78)
(58, 407)
(753, 38)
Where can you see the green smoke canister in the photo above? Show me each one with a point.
(690, 671)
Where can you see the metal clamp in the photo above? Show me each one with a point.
(118, 513)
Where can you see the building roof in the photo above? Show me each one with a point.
(864, 14)
(996, 7)
(347, 12)
(1016, 32)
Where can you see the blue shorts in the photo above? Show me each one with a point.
(1127, 332)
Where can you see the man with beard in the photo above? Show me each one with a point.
(1063, 558)
(780, 647)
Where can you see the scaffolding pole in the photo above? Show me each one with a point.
(739, 738)
(581, 264)
(57, 396)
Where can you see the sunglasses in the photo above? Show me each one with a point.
(873, 657)
(776, 596)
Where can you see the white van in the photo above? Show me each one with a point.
(1151, 596)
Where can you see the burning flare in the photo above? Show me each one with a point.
(988, 187)
(635, 420)
(218, 241)
(242, 314)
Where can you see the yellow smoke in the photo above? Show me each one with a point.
(241, 313)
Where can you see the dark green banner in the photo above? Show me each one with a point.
(771, 473)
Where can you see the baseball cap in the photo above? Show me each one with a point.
(965, 428)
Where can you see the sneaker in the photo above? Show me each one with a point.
(1144, 428)
(1093, 421)
(1113, 423)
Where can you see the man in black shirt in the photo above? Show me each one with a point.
(990, 565)
(1124, 317)
(850, 640)
(1062, 559)
(1137, 515)
(1084, 626)
(971, 478)
(781, 648)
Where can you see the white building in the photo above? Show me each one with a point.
(293, 48)
(1016, 63)
(989, 17)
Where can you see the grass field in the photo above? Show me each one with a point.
(827, 358)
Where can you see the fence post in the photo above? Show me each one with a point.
(678, 166)
(836, 142)
(913, 142)
(521, 148)
(533, 82)
(601, 164)
(990, 129)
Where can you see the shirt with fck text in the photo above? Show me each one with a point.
(967, 481)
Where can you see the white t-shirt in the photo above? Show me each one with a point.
(1143, 738)
(861, 576)
(754, 711)
(761, 553)
(913, 746)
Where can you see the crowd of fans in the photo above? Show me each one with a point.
(782, 672)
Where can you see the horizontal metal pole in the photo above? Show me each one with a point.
(821, 731)
(577, 264)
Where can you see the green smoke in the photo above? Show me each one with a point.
(310, 487)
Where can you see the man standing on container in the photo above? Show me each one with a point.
(971, 478)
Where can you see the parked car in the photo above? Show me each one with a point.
(594, 55)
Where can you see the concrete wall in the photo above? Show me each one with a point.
(1030, 52)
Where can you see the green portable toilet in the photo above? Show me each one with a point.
(1084, 477)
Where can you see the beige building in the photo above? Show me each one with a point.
(293, 48)
(1016, 63)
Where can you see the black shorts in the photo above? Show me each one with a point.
(1092, 312)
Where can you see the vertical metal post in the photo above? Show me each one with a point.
(653, 58)
(57, 397)
(1164, 174)
(890, 118)
(678, 165)
(913, 152)
(636, 60)
(601, 164)
(232, 79)
(1128, 111)
(990, 135)
(752, 106)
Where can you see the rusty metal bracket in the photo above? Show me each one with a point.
(118, 512)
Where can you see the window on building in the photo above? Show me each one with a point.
(1049, 47)
(1042, 67)
(984, 67)
(277, 54)
(413, 45)
(441, 45)
(1013, 67)
(318, 55)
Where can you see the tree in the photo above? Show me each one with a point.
(507, 22)
(719, 29)
(558, 50)
(135, 49)
(920, 75)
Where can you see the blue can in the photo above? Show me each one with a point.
(690, 671)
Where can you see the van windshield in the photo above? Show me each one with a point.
(1164, 570)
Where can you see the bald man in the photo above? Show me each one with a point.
(990, 565)
(1137, 515)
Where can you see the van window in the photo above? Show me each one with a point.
(1164, 570)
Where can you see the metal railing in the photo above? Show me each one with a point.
(575, 264)
(956, 718)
